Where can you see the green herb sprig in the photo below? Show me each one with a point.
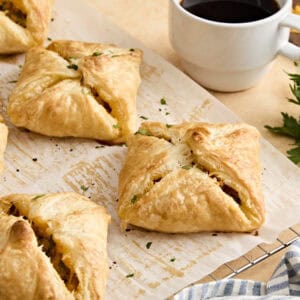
(291, 126)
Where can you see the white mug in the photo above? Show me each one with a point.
(231, 56)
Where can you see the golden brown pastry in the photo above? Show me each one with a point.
(23, 24)
(52, 246)
(78, 89)
(3, 142)
(192, 177)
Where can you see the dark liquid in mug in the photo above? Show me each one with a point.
(231, 11)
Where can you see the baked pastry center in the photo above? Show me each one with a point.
(78, 89)
(192, 177)
(62, 245)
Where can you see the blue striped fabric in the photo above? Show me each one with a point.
(284, 284)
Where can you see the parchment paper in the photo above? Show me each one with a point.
(66, 164)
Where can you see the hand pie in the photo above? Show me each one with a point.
(23, 24)
(3, 142)
(192, 177)
(78, 89)
(52, 246)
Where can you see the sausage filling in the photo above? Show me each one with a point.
(13, 12)
(49, 247)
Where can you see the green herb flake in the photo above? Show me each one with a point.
(168, 125)
(187, 167)
(143, 131)
(97, 53)
(116, 126)
(143, 117)
(129, 275)
(13, 81)
(296, 64)
(116, 55)
(84, 188)
(172, 259)
(38, 196)
(163, 101)
(131, 50)
(148, 245)
(134, 199)
(49, 39)
(72, 66)
(20, 66)
(167, 113)
(52, 19)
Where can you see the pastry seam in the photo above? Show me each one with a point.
(48, 247)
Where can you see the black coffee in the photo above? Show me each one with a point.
(231, 11)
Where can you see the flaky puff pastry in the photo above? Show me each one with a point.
(52, 246)
(23, 24)
(3, 142)
(192, 177)
(78, 89)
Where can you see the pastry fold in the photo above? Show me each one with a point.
(192, 177)
(23, 24)
(52, 246)
(78, 89)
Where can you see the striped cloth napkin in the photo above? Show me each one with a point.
(284, 284)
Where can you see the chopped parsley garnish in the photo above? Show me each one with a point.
(116, 126)
(163, 101)
(84, 188)
(13, 81)
(49, 39)
(142, 131)
(97, 53)
(168, 125)
(187, 167)
(131, 49)
(167, 113)
(72, 66)
(148, 245)
(38, 196)
(134, 199)
(172, 259)
(143, 117)
(115, 55)
(129, 275)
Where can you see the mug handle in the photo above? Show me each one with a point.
(290, 50)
